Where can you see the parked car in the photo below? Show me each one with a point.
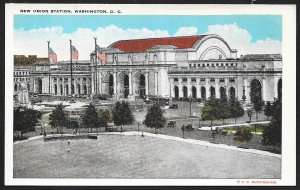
(188, 127)
(171, 124)
(174, 106)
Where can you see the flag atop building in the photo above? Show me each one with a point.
(74, 53)
(52, 55)
(101, 54)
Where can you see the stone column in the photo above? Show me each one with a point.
(147, 83)
(100, 82)
(130, 83)
(198, 89)
(156, 83)
(171, 88)
(115, 83)
(69, 81)
(276, 87)
(207, 90)
(180, 94)
(264, 89)
(189, 87)
(93, 82)
(217, 89)
(245, 84)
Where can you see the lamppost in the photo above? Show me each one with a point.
(138, 126)
(190, 99)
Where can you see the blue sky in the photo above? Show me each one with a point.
(260, 27)
(247, 33)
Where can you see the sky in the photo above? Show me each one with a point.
(246, 33)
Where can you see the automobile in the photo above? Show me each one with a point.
(171, 124)
(188, 127)
(111, 129)
(174, 106)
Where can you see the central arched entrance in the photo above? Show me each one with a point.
(203, 93)
(222, 92)
(123, 85)
(185, 92)
(256, 94)
(212, 91)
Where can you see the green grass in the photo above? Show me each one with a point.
(118, 156)
(259, 128)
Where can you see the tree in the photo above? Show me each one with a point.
(90, 117)
(73, 123)
(243, 134)
(122, 114)
(25, 119)
(104, 118)
(272, 132)
(257, 106)
(210, 110)
(154, 118)
(58, 118)
(224, 109)
(236, 109)
(268, 110)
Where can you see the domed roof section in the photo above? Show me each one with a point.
(141, 45)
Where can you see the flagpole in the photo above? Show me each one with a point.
(96, 74)
(71, 65)
(49, 67)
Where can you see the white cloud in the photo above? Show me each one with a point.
(240, 39)
(186, 31)
(35, 41)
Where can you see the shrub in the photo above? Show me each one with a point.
(243, 134)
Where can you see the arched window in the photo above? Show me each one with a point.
(256, 94)
(176, 91)
(194, 92)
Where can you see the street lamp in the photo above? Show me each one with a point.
(190, 99)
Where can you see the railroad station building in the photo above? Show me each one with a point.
(197, 66)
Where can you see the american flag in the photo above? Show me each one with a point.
(74, 53)
(52, 55)
(101, 55)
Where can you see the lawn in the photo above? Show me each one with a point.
(118, 156)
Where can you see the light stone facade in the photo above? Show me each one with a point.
(208, 66)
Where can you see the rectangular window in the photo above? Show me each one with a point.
(203, 65)
(231, 80)
(222, 80)
(217, 64)
(198, 65)
(226, 64)
(190, 65)
(184, 79)
(194, 65)
(193, 79)
(175, 79)
(207, 64)
(222, 64)
(231, 64)
(212, 65)
(212, 79)
(202, 79)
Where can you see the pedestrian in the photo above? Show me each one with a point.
(68, 142)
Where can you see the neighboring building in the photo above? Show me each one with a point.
(22, 70)
(178, 67)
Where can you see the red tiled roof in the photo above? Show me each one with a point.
(141, 45)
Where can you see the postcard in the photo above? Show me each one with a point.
(150, 94)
